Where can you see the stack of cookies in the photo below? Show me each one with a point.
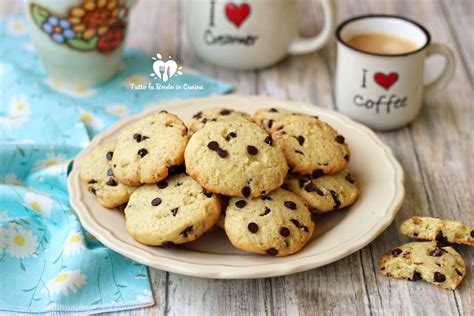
(260, 178)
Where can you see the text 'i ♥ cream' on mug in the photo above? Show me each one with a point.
(79, 41)
(251, 34)
(380, 64)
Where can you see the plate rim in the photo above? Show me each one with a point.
(273, 269)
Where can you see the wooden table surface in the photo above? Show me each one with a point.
(435, 152)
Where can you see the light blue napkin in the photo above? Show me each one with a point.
(48, 262)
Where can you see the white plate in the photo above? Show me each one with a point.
(337, 235)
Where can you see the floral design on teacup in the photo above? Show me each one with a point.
(93, 25)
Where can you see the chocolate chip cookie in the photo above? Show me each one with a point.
(441, 266)
(173, 211)
(235, 158)
(267, 117)
(277, 224)
(97, 175)
(149, 148)
(325, 193)
(311, 145)
(442, 230)
(204, 117)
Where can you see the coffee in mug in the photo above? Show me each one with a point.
(382, 43)
(379, 77)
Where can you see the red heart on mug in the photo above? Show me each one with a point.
(237, 14)
(386, 81)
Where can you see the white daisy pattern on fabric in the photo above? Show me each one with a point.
(73, 244)
(64, 281)
(71, 89)
(54, 163)
(10, 123)
(3, 215)
(147, 297)
(117, 109)
(21, 243)
(16, 26)
(91, 121)
(19, 106)
(39, 203)
(11, 179)
(136, 80)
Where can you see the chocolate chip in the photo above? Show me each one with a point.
(319, 192)
(110, 173)
(240, 203)
(142, 152)
(337, 203)
(230, 136)
(92, 190)
(263, 192)
(415, 234)
(206, 193)
(280, 128)
(167, 244)
(296, 223)
(301, 182)
(291, 205)
(268, 140)
(267, 211)
(137, 137)
(317, 173)
(187, 231)
(162, 184)
(204, 120)
(272, 252)
(92, 181)
(198, 115)
(273, 110)
(246, 191)
(252, 150)
(349, 178)
(163, 111)
(214, 146)
(284, 186)
(458, 272)
(441, 240)
(178, 184)
(225, 112)
(174, 211)
(222, 153)
(340, 139)
(346, 157)
(472, 233)
(252, 227)
(416, 276)
(396, 252)
(270, 123)
(156, 201)
(436, 252)
(310, 187)
(300, 140)
(109, 155)
(299, 152)
(111, 182)
(439, 277)
(284, 231)
(266, 198)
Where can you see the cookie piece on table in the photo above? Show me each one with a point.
(441, 266)
(442, 230)
(173, 211)
(311, 145)
(204, 117)
(97, 175)
(267, 117)
(277, 224)
(236, 159)
(146, 150)
(325, 193)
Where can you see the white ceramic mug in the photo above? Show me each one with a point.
(79, 41)
(386, 91)
(251, 34)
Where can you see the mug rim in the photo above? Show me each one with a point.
(367, 16)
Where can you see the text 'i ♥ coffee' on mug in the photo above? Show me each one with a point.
(251, 34)
(79, 41)
(380, 65)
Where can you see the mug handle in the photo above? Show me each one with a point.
(448, 70)
(306, 45)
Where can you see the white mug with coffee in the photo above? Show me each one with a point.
(251, 34)
(380, 63)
